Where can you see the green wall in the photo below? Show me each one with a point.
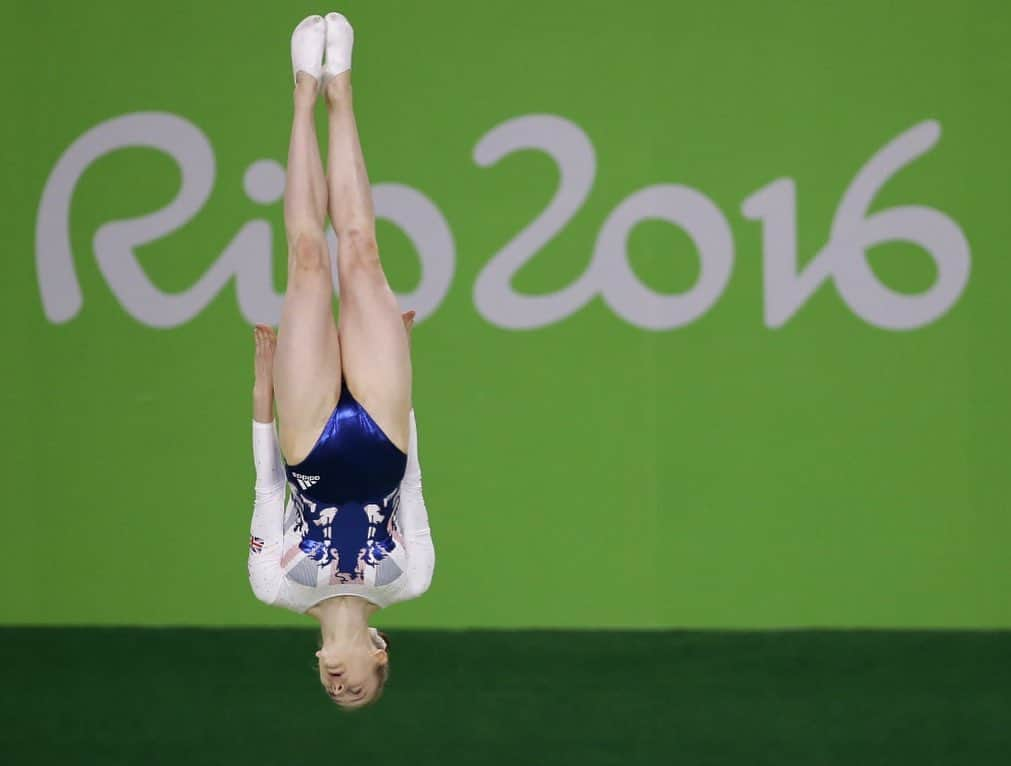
(767, 449)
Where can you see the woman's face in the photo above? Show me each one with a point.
(348, 673)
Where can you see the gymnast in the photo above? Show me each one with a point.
(354, 536)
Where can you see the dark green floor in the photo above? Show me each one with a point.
(251, 696)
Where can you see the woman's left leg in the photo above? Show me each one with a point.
(375, 354)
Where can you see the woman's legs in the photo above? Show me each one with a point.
(307, 365)
(376, 357)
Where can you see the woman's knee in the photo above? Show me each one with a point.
(310, 253)
(359, 245)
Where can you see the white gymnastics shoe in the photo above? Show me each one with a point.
(307, 44)
(340, 38)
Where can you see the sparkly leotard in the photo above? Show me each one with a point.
(355, 522)
(346, 490)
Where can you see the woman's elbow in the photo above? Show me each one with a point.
(420, 582)
(264, 586)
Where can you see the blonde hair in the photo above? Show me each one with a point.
(382, 672)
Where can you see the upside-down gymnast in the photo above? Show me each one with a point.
(354, 536)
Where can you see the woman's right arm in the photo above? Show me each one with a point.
(266, 533)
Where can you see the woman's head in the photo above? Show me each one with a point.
(354, 674)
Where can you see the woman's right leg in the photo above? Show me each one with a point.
(307, 365)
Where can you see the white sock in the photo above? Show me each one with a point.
(340, 38)
(307, 44)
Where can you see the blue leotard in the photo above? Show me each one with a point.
(346, 491)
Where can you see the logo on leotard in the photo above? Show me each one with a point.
(350, 538)
(305, 481)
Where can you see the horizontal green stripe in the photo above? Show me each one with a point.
(197, 696)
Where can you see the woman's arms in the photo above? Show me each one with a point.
(413, 522)
(266, 534)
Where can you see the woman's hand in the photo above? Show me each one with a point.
(263, 367)
(408, 322)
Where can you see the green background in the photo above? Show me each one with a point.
(585, 474)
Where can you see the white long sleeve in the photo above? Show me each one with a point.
(266, 533)
(413, 521)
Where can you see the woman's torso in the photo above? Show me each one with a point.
(340, 527)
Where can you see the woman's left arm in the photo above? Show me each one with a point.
(412, 516)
